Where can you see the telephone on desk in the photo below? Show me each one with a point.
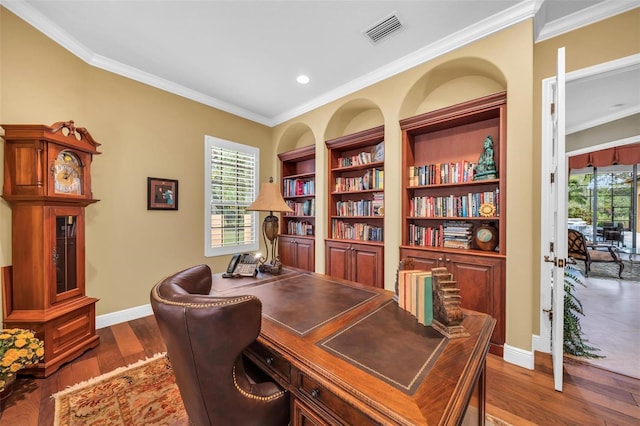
(242, 265)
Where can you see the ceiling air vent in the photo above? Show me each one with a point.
(383, 29)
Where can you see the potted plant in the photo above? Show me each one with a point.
(19, 348)
(574, 343)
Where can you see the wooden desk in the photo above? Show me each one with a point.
(350, 356)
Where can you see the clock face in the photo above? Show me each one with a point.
(484, 235)
(67, 174)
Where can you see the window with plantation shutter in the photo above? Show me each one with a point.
(231, 179)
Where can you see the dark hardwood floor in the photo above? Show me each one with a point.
(591, 396)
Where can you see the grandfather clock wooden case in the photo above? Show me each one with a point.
(47, 182)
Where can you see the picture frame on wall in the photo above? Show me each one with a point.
(162, 194)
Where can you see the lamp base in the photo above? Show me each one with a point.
(273, 267)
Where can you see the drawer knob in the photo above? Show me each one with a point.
(269, 360)
(315, 393)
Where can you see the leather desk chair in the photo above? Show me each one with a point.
(205, 337)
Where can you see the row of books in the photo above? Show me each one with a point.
(371, 179)
(361, 207)
(305, 208)
(299, 187)
(454, 205)
(365, 157)
(299, 228)
(441, 173)
(425, 236)
(457, 234)
(355, 231)
(415, 294)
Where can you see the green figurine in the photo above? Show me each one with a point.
(486, 167)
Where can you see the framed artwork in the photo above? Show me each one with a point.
(162, 194)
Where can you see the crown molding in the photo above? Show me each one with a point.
(588, 16)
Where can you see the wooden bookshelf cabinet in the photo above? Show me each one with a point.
(355, 243)
(297, 231)
(437, 148)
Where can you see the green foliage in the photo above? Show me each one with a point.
(574, 343)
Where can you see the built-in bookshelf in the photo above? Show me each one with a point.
(450, 206)
(355, 240)
(297, 229)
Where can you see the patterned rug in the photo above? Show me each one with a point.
(144, 393)
(610, 270)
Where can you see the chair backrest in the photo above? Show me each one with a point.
(576, 245)
(205, 337)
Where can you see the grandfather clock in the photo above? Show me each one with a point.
(47, 182)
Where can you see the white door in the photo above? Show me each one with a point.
(558, 248)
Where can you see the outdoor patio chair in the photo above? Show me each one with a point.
(578, 249)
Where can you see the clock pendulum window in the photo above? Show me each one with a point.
(44, 289)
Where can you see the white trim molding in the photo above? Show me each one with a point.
(125, 315)
(519, 357)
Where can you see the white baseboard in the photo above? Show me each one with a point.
(519, 357)
(107, 320)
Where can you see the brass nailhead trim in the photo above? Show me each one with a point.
(233, 301)
(252, 396)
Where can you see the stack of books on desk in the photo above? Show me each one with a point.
(415, 294)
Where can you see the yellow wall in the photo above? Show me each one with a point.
(147, 132)
(144, 132)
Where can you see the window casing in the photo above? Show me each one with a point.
(231, 184)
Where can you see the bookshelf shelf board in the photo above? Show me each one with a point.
(357, 217)
(474, 252)
(365, 242)
(306, 176)
(457, 218)
(457, 184)
(372, 165)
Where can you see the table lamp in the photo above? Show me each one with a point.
(270, 200)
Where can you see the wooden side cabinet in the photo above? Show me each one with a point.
(47, 182)
(362, 263)
(297, 251)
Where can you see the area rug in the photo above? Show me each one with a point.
(610, 270)
(144, 393)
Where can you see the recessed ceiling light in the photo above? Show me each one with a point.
(302, 79)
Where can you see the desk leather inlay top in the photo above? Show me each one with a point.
(304, 302)
(390, 344)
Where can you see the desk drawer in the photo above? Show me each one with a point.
(270, 361)
(331, 403)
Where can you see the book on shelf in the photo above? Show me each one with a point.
(378, 152)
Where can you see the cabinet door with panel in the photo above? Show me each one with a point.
(298, 252)
(361, 263)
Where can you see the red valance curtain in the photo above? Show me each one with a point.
(626, 155)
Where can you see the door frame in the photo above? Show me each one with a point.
(542, 342)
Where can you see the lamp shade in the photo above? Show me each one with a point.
(269, 200)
